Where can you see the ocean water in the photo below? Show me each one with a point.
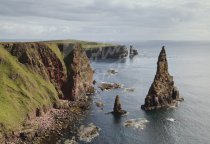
(189, 123)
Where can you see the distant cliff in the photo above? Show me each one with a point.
(35, 75)
(95, 50)
(104, 52)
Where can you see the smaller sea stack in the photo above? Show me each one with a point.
(163, 92)
(117, 110)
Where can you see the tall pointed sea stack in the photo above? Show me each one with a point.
(162, 92)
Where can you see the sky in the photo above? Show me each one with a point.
(105, 20)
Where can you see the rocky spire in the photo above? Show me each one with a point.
(162, 91)
(117, 110)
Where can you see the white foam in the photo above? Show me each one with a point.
(139, 123)
(88, 133)
(171, 119)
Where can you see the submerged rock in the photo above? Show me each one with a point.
(108, 86)
(88, 133)
(162, 92)
(129, 89)
(112, 71)
(99, 104)
(139, 123)
(117, 110)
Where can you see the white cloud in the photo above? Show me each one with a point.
(105, 20)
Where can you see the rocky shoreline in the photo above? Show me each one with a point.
(50, 126)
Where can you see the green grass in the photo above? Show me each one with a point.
(55, 49)
(85, 44)
(22, 95)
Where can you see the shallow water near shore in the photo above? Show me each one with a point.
(187, 123)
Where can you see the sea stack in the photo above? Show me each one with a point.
(117, 110)
(162, 92)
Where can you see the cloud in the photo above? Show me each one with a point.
(105, 20)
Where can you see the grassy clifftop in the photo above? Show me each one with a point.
(22, 87)
(21, 90)
(84, 44)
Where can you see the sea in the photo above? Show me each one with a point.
(189, 123)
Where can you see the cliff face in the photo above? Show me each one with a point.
(79, 73)
(41, 59)
(162, 92)
(33, 76)
(113, 52)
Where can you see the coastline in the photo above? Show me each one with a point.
(50, 126)
(66, 78)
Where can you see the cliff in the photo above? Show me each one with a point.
(34, 76)
(94, 50)
(104, 52)
(79, 73)
(162, 92)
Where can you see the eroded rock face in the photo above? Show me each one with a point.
(117, 110)
(40, 59)
(113, 52)
(72, 77)
(162, 92)
(79, 73)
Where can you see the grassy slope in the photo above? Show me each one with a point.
(85, 44)
(55, 49)
(20, 96)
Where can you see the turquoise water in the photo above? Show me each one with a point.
(189, 64)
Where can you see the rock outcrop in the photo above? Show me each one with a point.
(112, 52)
(133, 52)
(109, 86)
(162, 92)
(79, 73)
(117, 110)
